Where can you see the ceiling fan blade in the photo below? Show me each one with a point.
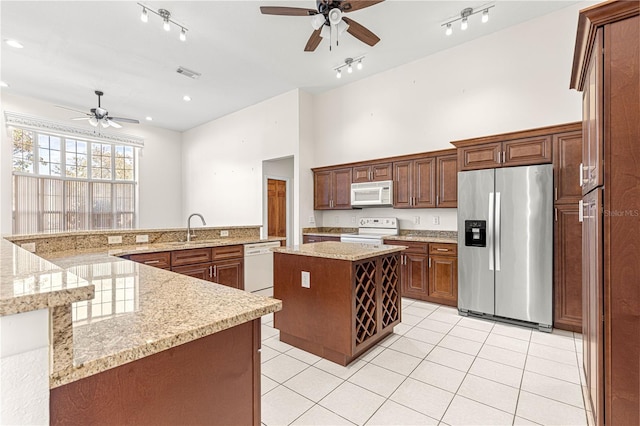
(287, 11)
(361, 33)
(71, 109)
(350, 6)
(81, 118)
(124, 120)
(313, 41)
(112, 123)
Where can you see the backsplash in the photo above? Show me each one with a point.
(49, 243)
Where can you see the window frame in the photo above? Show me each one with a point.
(113, 181)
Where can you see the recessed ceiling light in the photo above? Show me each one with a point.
(3, 84)
(186, 98)
(149, 118)
(14, 43)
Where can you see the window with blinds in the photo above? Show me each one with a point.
(66, 184)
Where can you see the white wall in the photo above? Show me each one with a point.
(222, 160)
(159, 168)
(305, 160)
(511, 80)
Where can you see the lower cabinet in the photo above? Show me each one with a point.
(567, 260)
(222, 265)
(429, 271)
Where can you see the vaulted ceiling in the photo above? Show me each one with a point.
(72, 48)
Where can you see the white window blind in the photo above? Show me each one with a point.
(66, 184)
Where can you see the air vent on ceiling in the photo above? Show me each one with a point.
(188, 73)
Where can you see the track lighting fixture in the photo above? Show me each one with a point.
(464, 17)
(348, 63)
(166, 20)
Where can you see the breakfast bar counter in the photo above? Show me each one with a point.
(339, 299)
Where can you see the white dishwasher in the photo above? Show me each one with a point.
(258, 267)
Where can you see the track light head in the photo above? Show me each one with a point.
(144, 17)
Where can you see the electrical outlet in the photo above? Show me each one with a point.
(416, 220)
(224, 233)
(312, 220)
(29, 247)
(306, 279)
(353, 219)
(336, 220)
(142, 238)
(436, 220)
(115, 239)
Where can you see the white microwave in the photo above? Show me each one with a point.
(372, 194)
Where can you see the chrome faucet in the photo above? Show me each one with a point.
(189, 224)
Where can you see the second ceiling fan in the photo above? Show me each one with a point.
(329, 15)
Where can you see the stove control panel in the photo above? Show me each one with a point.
(378, 222)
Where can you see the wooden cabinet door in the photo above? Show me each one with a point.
(485, 156)
(447, 188)
(229, 273)
(341, 189)
(402, 181)
(202, 271)
(424, 182)
(567, 281)
(414, 276)
(593, 148)
(443, 279)
(567, 156)
(522, 152)
(361, 174)
(593, 300)
(322, 190)
(381, 172)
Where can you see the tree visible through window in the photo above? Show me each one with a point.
(65, 184)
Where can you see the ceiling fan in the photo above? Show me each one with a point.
(101, 116)
(329, 15)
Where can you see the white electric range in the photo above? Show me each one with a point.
(372, 230)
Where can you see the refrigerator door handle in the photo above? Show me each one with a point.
(497, 233)
(490, 231)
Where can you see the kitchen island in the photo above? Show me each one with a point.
(339, 299)
(152, 347)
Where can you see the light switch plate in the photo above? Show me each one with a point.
(142, 238)
(436, 220)
(224, 233)
(306, 279)
(115, 239)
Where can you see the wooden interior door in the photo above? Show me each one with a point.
(277, 207)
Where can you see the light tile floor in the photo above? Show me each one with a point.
(438, 368)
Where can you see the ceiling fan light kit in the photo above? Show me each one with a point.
(464, 17)
(328, 17)
(166, 20)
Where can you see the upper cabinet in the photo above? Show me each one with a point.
(415, 183)
(476, 154)
(567, 155)
(372, 172)
(332, 189)
(427, 181)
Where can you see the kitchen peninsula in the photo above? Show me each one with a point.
(339, 299)
(152, 346)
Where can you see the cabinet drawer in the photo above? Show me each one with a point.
(190, 257)
(228, 252)
(443, 249)
(159, 260)
(412, 246)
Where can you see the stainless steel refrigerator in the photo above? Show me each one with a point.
(505, 244)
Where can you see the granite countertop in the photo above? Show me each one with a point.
(140, 310)
(183, 245)
(340, 251)
(29, 283)
(423, 239)
(107, 311)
